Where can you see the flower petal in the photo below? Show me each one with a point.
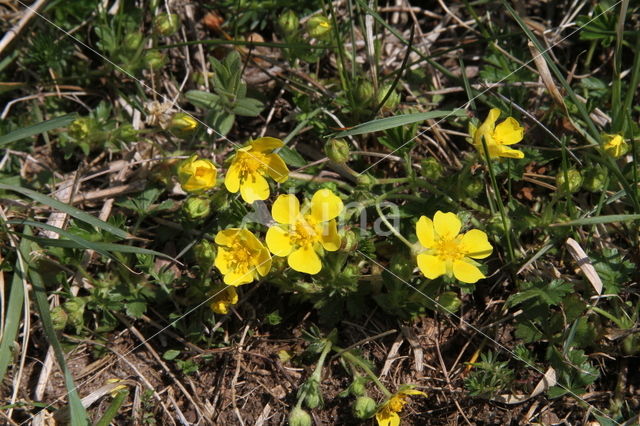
(232, 179)
(475, 244)
(239, 277)
(424, 231)
(266, 144)
(221, 261)
(226, 236)
(387, 418)
(306, 260)
(263, 262)
(325, 205)
(446, 225)
(486, 128)
(278, 241)
(276, 168)
(431, 266)
(255, 187)
(330, 238)
(286, 209)
(466, 272)
(511, 153)
(508, 132)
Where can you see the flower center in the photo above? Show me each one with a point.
(396, 404)
(448, 249)
(305, 232)
(239, 256)
(251, 163)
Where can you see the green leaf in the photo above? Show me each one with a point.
(136, 309)
(612, 218)
(112, 409)
(291, 157)
(202, 99)
(170, 354)
(70, 210)
(248, 107)
(398, 120)
(36, 129)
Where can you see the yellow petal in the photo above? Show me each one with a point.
(330, 238)
(266, 144)
(446, 225)
(232, 179)
(286, 209)
(431, 266)
(475, 244)
(492, 117)
(511, 153)
(412, 392)
(255, 187)
(226, 236)
(263, 262)
(325, 205)
(424, 230)
(278, 241)
(466, 272)
(221, 261)
(387, 418)
(239, 277)
(276, 168)
(306, 260)
(508, 132)
(486, 128)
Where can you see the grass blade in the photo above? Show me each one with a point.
(36, 129)
(612, 218)
(397, 121)
(68, 209)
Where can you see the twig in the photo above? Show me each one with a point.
(13, 32)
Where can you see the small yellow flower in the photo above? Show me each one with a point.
(222, 301)
(615, 145)
(249, 166)
(499, 137)
(387, 414)
(448, 252)
(241, 257)
(197, 175)
(301, 235)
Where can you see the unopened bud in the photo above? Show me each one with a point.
(615, 145)
(313, 396)
(392, 101)
(364, 93)
(205, 254)
(81, 128)
(319, 27)
(288, 23)
(59, 318)
(349, 241)
(154, 60)
(197, 209)
(337, 150)
(364, 408)
(571, 183)
(366, 180)
(496, 226)
(431, 168)
(166, 24)
(132, 41)
(299, 417)
(183, 125)
(595, 178)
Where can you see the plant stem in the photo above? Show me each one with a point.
(390, 226)
(354, 359)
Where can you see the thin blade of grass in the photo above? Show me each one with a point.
(612, 218)
(397, 121)
(70, 210)
(36, 129)
(78, 413)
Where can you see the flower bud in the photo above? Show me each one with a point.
(366, 180)
(364, 93)
(224, 299)
(313, 396)
(615, 145)
(349, 241)
(154, 59)
(197, 209)
(392, 101)
(337, 150)
(132, 41)
(495, 225)
(197, 175)
(166, 24)
(358, 388)
(472, 188)
(299, 417)
(573, 184)
(288, 23)
(319, 27)
(81, 128)
(450, 301)
(183, 125)
(126, 133)
(595, 178)
(205, 254)
(364, 408)
(431, 168)
(59, 318)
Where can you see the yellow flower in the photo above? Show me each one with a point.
(241, 257)
(615, 145)
(448, 252)
(499, 137)
(301, 235)
(197, 175)
(249, 166)
(387, 414)
(224, 299)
